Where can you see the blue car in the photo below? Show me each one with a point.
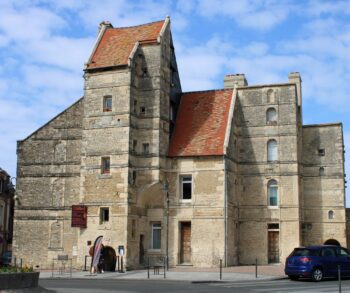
(317, 262)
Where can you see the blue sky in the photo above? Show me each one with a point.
(45, 43)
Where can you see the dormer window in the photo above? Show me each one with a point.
(107, 103)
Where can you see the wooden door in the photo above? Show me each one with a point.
(185, 246)
(273, 246)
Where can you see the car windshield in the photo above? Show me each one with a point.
(304, 252)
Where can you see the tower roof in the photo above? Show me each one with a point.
(116, 44)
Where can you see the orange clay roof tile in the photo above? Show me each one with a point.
(117, 43)
(201, 124)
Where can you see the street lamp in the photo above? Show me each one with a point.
(166, 189)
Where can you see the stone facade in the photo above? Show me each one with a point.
(274, 184)
(7, 203)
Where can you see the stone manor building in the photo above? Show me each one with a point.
(229, 174)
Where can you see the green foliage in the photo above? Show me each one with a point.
(11, 269)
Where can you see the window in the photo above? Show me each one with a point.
(330, 215)
(272, 193)
(105, 165)
(273, 226)
(321, 152)
(156, 235)
(133, 229)
(107, 104)
(186, 187)
(104, 215)
(271, 115)
(135, 106)
(321, 171)
(272, 150)
(142, 110)
(145, 148)
(134, 145)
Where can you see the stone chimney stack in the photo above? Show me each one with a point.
(294, 77)
(231, 80)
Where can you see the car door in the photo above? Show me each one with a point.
(329, 261)
(343, 259)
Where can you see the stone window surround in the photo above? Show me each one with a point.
(104, 215)
(106, 165)
(155, 226)
(181, 186)
(272, 183)
(107, 103)
(272, 150)
(271, 116)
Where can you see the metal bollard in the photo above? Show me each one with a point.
(339, 278)
(256, 268)
(148, 269)
(220, 269)
(121, 265)
(85, 263)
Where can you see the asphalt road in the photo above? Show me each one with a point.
(145, 286)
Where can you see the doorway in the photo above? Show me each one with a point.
(273, 247)
(185, 242)
(110, 258)
(142, 250)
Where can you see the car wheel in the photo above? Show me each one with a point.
(317, 275)
(294, 278)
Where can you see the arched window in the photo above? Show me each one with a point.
(272, 193)
(271, 115)
(330, 215)
(272, 150)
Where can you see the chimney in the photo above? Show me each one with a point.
(294, 77)
(231, 80)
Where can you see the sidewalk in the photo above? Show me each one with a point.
(237, 273)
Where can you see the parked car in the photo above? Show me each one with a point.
(317, 262)
(5, 259)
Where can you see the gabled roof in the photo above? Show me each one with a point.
(201, 124)
(116, 44)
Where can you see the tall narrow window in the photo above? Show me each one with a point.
(134, 145)
(272, 150)
(272, 193)
(270, 96)
(104, 215)
(186, 187)
(330, 215)
(156, 235)
(105, 165)
(107, 103)
(145, 148)
(271, 115)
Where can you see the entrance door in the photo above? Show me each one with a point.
(185, 244)
(142, 250)
(273, 246)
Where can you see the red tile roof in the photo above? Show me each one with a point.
(201, 124)
(116, 44)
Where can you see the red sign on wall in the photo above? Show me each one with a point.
(79, 216)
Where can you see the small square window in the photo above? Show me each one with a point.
(186, 187)
(107, 104)
(142, 110)
(105, 165)
(104, 215)
(321, 152)
(145, 148)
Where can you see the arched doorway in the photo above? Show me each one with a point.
(332, 242)
(110, 258)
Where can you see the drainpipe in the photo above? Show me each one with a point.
(225, 209)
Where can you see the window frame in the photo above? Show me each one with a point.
(156, 226)
(268, 114)
(272, 154)
(105, 165)
(182, 182)
(106, 107)
(104, 215)
(145, 148)
(272, 184)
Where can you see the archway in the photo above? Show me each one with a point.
(110, 258)
(332, 242)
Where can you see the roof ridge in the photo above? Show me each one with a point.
(204, 91)
(132, 26)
